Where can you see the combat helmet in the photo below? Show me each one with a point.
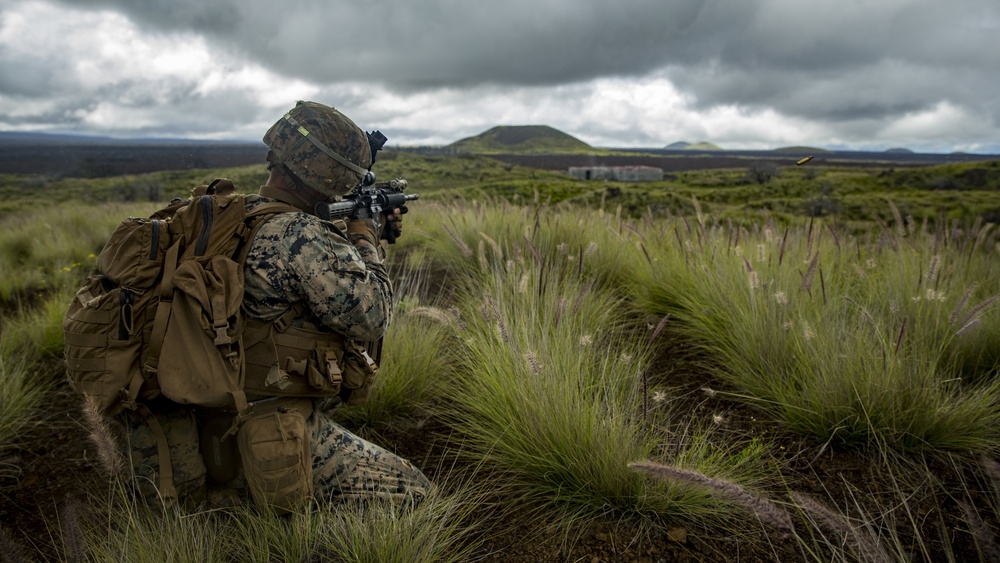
(322, 147)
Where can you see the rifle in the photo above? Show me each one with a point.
(369, 202)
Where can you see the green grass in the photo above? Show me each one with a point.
(21, 392)
(415, 363)
(527, 331)
(120, 528)
(550, 393)
(846, 339)
(55, 247)
(28, 343)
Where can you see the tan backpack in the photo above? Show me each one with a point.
(163, 315)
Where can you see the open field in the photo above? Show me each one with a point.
(707, 368)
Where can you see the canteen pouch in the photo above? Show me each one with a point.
(274, 445)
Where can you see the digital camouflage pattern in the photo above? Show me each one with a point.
(345, 467)
(310, 164)
(181, 429)
(348, 468)
(299, 257)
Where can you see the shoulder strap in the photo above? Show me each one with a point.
(256, 218)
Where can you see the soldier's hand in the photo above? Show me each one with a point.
(362, 228)
(392, 224)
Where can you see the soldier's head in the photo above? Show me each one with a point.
(320, 148)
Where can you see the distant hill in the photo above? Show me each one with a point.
(84, 156)
(802, 150)
(32, 138)
(899, 150)
(701, 146)
(520, 139)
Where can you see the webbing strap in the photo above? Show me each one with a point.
(163, 308)
(325, 149)
(166, 480)
(260, 215)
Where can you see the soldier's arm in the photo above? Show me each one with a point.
(345, 285)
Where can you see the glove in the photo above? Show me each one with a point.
(362, 228)
(392, 224)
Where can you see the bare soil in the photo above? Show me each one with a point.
(54, 465)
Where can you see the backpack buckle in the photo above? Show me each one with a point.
(221, 338)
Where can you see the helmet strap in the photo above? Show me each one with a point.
(323, 148)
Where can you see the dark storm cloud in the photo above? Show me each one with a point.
(868, 73)
(432, 43)
(847, 60)
(840, 60)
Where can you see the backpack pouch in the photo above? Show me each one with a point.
(358, 374)
(103, 332)
(201, 359)
(133, 255)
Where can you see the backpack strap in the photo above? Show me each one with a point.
(166, 473)
(256, 218)
(162, 309)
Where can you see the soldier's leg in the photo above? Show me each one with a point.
(181, 432)
(348, 468)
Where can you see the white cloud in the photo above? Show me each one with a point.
(109, 76)
(754, 74)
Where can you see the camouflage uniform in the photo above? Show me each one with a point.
(180, 428)
(299, 257)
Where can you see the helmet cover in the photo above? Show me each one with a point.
(322, 147)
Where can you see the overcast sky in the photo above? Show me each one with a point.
(744, 74)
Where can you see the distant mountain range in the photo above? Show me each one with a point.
(542, 139)
(503, 139)
(18, 137)
(531, 145)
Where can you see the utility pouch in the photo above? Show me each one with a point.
(275, 447)
(201, 358)
(285, 361)
(358, 374)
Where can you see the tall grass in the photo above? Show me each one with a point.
(56, 247)
(416, 363)
(903, 509)
(576, 241)
(843, 338)
(21, 392)
(549, 393)
(528, 339)
(36, 333)
(123, 529)
(25, 340)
